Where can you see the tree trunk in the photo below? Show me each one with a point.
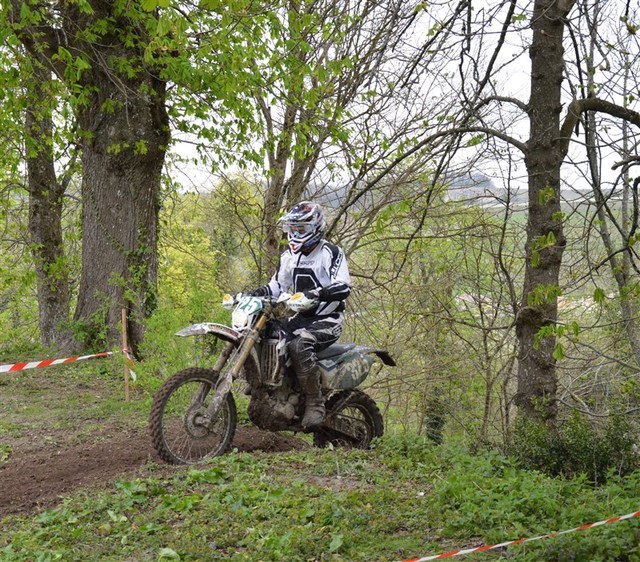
(276, 194)
(120, 105)
(45, 214)
(273, 201)
(546, 150)
(620, 265)
(122, 161)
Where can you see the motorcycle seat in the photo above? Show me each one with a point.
(335, 350)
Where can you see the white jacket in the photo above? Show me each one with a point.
(324, 271)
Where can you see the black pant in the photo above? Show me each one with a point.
(307, 335)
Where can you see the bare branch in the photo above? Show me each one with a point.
(578, 107)
(518, 103)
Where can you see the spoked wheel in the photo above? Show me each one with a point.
(353, 420)
(180, 429)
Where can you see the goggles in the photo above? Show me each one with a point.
(298, 227)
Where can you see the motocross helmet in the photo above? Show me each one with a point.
(304, 225)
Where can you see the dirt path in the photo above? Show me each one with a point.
(41, 478)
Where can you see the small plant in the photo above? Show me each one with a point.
(435, 410)
(580, 446)
(5, 453)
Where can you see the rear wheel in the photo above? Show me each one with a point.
(180, 430)
(353, 420)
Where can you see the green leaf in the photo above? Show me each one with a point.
(598, 295)
(535, 258)
(336, 543)
(168, 554)
(558, 352)
(116, 517)
(25, 11)
(149, 5)
(546, 194)
(475, 140)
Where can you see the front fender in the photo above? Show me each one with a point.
(251, 366)
(205, 328)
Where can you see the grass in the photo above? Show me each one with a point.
(63, 406)
(332, 505)
(405, 498)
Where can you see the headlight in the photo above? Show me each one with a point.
(239, 319)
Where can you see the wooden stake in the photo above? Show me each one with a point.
(125, 351)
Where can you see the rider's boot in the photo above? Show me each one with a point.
(314, 411)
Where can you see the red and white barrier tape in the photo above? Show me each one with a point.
(520, 541)
(14, 367)
(130, 362)
(47, 362)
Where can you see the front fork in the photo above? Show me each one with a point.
(226, 379)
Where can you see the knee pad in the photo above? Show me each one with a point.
(302, 355)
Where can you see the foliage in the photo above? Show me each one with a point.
(580, 446)
(209, 240)
(204, 252)
(433, 278)
(404, 498)
(441, 304)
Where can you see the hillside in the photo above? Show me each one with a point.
(80, 482)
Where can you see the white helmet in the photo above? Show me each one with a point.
(304, 225)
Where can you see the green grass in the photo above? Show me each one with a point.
(405, 498)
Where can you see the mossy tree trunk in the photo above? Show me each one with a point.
(119, 104)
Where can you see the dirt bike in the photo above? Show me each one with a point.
(193, 416)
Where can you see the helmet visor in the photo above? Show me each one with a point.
(298, 228)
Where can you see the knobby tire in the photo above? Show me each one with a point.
(358, 405)
(176, 435)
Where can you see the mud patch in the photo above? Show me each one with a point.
(60, 434)
(41, 479)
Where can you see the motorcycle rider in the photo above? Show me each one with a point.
(317, 269)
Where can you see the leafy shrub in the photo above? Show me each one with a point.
(434, 417)
(165, 353)
(578, 447)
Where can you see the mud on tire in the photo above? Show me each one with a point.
(357, 414)
(175, 422)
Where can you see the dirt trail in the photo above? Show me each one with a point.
(40, 478)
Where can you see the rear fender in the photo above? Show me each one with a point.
(351, 368)
(227, 334)
(383, 355)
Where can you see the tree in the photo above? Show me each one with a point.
(327, 79)
(98, 50)
(443, 309)
(330, 55)
(480, 114)
(545, 152)
(46, 193)
(32, 144)
(616, 206)
(600, 274)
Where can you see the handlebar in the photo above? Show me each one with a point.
(296, 302)
(228, 301)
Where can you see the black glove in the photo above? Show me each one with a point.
(312, 294)
(259, 292)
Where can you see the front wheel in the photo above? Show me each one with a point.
(180, 430)
(353, 420)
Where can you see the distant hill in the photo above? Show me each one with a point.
(476, 188)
